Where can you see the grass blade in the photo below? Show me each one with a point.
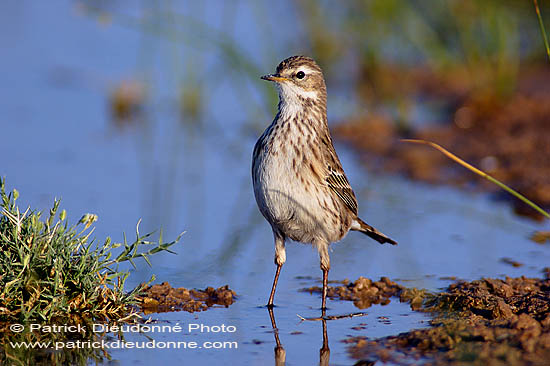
(542, 28)
(481, 173)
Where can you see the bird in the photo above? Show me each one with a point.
(299, 184)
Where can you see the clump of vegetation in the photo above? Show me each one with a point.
(52, 270)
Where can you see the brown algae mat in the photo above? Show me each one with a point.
(164, 298)
(484, 322)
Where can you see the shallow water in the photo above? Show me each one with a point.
(58, 141)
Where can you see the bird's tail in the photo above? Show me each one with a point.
(365, 228)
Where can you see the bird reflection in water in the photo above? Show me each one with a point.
(280, 353)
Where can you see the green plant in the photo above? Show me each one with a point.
(542, 29)
(480, 173)
(52, 270)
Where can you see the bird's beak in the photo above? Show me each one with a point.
(274, 77)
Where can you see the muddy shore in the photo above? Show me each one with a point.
(484, 322)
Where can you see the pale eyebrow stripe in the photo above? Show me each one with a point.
(306, 69)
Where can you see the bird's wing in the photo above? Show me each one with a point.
(335, 177)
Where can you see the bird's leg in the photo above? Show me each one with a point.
(270, 302)
(325, 267)
(325, 287)
(280, 259)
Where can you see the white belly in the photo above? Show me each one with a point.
(292, 201)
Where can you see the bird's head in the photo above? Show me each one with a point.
(299, 78)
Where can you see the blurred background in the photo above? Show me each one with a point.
(142, 109)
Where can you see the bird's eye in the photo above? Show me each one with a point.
(300, 74)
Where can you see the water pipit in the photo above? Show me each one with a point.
(299, 184)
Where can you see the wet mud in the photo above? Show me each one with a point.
(363, 292)
(483, 322)
(505, 135)
(164, 298)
